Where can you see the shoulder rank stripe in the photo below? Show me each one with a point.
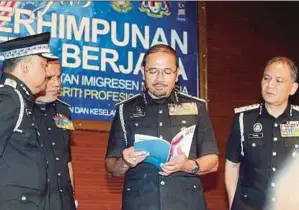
(22, 109)
(128, 99)
(62, 102)
(193, 97)
(246, 108)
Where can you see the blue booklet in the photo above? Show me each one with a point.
(158, 150)
(162, 151)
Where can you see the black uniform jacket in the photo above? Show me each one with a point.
(23, 169)
(144, 188)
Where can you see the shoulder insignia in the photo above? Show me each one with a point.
(128, 99)
(10, 82)
(193, 97)
(59, 100)
(295, 107)
(246, 108)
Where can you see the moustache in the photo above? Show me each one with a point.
(161, 84)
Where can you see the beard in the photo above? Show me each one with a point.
(158, 90)
(159, 94)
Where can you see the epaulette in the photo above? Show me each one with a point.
(128, 99)
(63, 102)
(246, 108)
(10, 82)
(193, 97)
(295, 107)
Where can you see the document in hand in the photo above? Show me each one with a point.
(160, 150)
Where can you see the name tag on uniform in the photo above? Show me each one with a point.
(291, 129)
(63, 122)
(255, 135)
(183, 109)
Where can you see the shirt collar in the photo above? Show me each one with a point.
(288, 112)
(25, 91)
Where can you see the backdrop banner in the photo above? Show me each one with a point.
(101, 45)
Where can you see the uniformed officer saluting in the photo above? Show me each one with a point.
(161, 111)
(23, 177)
(53, 119)
(262, 136)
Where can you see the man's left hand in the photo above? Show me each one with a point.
(175, 165)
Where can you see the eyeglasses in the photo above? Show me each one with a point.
(156, 71)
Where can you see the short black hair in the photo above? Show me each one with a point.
(161, 48)
(286, 61)
(10, 64)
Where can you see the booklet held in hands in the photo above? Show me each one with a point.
(160, 150)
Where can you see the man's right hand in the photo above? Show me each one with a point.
(133, 158)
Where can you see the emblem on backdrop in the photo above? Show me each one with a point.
(181, 14)
(156, 9)
(122, 6)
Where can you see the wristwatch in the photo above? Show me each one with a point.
(195, 167)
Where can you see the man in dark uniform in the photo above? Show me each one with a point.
(161, 111)
(262, 135)
(53, 117)
(23, 176)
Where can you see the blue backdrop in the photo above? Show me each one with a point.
(101, 45)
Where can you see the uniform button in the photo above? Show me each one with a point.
(57, 158)
(38, 133)
(61, 190)
(160, 124)
(194, 186)
(274, 154)
(253, 144)
(245, 196)
(160, 111)
(47, 162)
(41, 145)
(273, 184)
(23, 198)
(296, 146)
(49, 129)
(275, 139)
(162, 183)
(273, 169)
(32, 124)
(128, 189)
(183, 121)
(48, 180)
(136, 124)
(53, 143)
(275, 124)
(59, 174)
(45, 114)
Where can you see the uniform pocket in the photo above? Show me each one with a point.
(27, 139)
(17, 197)
(254, 149)
(184, 193)
(291, 142)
